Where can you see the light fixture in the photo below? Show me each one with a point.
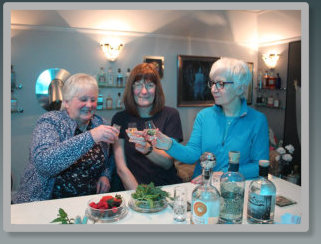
(111, 50)
(271, 58)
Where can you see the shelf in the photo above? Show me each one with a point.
(109, 86)
(113, 109)
(265, 106)
(269, 89)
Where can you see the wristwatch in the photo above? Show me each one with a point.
(150, 149)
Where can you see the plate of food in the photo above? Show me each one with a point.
(148, 199)
(106, 209)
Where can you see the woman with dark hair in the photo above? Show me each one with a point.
(139, 162)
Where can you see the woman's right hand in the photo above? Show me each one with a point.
(105, 133)
(162, 141)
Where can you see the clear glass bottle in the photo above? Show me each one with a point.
(110, 77)
(261, 197)
(109, 102)
(101, 76)
(119, 103)
(232, 184)
(276, 102)
(120, 78)
(205, 197)
(126, 77)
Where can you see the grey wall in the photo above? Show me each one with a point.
(35, 50)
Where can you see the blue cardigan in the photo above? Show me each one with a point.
(247, 133)
(53, 149)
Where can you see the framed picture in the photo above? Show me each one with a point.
(249, 95)
(158, 61)
(193, 77)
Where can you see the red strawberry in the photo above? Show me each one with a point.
(114, 209)
(106, 198)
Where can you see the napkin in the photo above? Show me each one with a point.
(288, 218)
(78, 220)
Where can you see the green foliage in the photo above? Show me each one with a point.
(62, 218)
(149, 193)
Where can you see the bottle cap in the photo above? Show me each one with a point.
(234, 157)
(208, 160)
(264, 163)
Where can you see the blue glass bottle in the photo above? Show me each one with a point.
(261, 199)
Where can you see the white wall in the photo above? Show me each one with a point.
(33, 51)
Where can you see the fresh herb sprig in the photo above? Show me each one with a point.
(149, 193)
(63, 218)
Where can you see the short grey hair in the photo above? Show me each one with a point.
(236, 70)
(76, 83)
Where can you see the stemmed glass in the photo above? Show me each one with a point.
(150, 130)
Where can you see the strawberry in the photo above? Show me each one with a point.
(114, 209)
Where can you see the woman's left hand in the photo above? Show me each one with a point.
(141, 144)
(103, 185)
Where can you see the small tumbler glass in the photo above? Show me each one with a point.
(180, 204)
(117, 127)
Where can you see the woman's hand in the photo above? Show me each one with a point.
(103, 185)
(105, 133)
(139, 138)
(215, 177)
(162, 141)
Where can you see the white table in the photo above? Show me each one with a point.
(43, 212)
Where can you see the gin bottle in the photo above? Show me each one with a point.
(261, 200)
(205, 197)
(232, 186)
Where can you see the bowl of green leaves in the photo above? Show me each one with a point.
(148, 199)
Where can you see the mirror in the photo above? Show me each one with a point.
(49, 88)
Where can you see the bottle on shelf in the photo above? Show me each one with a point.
(264, 99)
(232, 184)
(110, 77)
(101, 76)
(272, 80)
(278, 81)
(259, 80)
(120, 78)
(126, 76)
(109, 102)
(276, 102)
(259, 98)
(261, 197)
(119, 102)
(205, 197)
(270, 101)
(100, 102)
(14, 103)
(266, 79)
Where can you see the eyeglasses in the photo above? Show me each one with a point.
(219, 84)
(139, 85)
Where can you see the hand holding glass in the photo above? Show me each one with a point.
(150, 130)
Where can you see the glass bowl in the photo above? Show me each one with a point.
(144, 206)
(106, 215)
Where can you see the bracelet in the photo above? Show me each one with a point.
(150, 149)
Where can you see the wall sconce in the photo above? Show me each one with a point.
(111, 50)
(271, 58)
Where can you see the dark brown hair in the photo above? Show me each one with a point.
(144, 71)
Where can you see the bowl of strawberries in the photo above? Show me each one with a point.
(107, 208)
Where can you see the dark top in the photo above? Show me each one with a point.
(81, 178)
(144, 170)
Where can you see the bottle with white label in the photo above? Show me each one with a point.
(119, 103)
(261, 197)
(205, 197)
(109, 102)
(101, 76)
(110, 77)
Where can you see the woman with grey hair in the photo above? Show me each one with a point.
(229, 125)
(69, 148)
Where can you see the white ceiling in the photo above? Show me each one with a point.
(224, 25)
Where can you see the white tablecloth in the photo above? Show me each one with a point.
(43, 212)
